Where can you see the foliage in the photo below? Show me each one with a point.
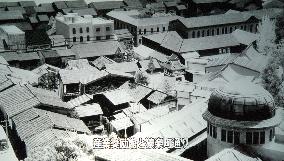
(141, 78)
(66, 149)
(167, 88)
(267, 36)
(49, 81)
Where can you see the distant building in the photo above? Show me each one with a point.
(83, 29)
(139, 24)
(243, 114)
(13, 38)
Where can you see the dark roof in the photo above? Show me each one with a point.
(107, 5)
(33, 20)
(85, 11)
(43, 18)
(181, 7)
(76, 4)
(37, 37)
(11, 15)
(49, 54)
(14, 56)
(45, 8)
(17, 8)
(24, 26)
(60, 5)
(8, 4)
(27, 3)
(133, 3)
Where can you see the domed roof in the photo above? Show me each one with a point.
(242, 100)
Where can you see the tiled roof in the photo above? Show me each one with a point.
(157, 97)
(121, 123)
(102, 61)
(17, 8)
(139, 92)
(127, 67)
(85, 11)
(76, 4)
(133, 3)
(27, 3)
(104, 5)
(97, 49)
(17, 99)
(25, 116)
(118, 96)
(45, 138)
(24, 26)
(220, 59)
(49, 98)
(60, 4)
(8, 4)
(44, 7)
(45, 68)
(14, 56)
(89, 110)
(79, 100)
(65, 53)
(49, 53)
(4, 84)
(11, 15)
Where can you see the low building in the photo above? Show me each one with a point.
(140, 25)
(78, 29)
(13, 38)
(104, 7)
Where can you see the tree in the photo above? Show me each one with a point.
(141, 78)
(167, 88)
(267, 36)
(151, 66)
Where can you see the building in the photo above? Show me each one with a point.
(13, 38)
(103, 7)
(232, 120)
(83, 29)
(139, 24)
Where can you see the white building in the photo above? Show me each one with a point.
(243, 114)
(12, 37)
(75, 28)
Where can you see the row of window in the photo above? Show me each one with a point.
(88, 29)
(152, 30)
(88, 38)
(234, 136)
(223, 30)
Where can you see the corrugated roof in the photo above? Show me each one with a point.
(25, 116)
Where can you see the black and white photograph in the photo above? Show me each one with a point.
(141, 80)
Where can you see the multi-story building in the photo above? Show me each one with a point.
(77, 29)
(139, 24)
(12, 37)
(243, 114)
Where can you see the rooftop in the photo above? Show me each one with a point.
(75, 18)
(11, 29)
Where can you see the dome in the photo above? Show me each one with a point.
(242, 100)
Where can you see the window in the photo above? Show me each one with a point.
(242, 27)
(87, 29)
(202, 33)
(262, 137)
(193, 34)
(231, 29)
(81, 39)
(218, 32)
(230, 137)
(223, 31)
(164, 28)
(213, 32)
(208, 32)
(140, 31)
(145, 31)
(140, 41)
(226, 30)
(250, 28)
(223, 135)
(88, 38)
(248, 138)
(255, 137)
(74, 39)
(245, 27)
(236, 137)
(270, 135)
(98, 29)
(98, 38)
(74, 31)
(214, 132)
(152, 30)
(107, 37)
(108, 28)
(158, 29)
(81, 30)
(198, 33)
